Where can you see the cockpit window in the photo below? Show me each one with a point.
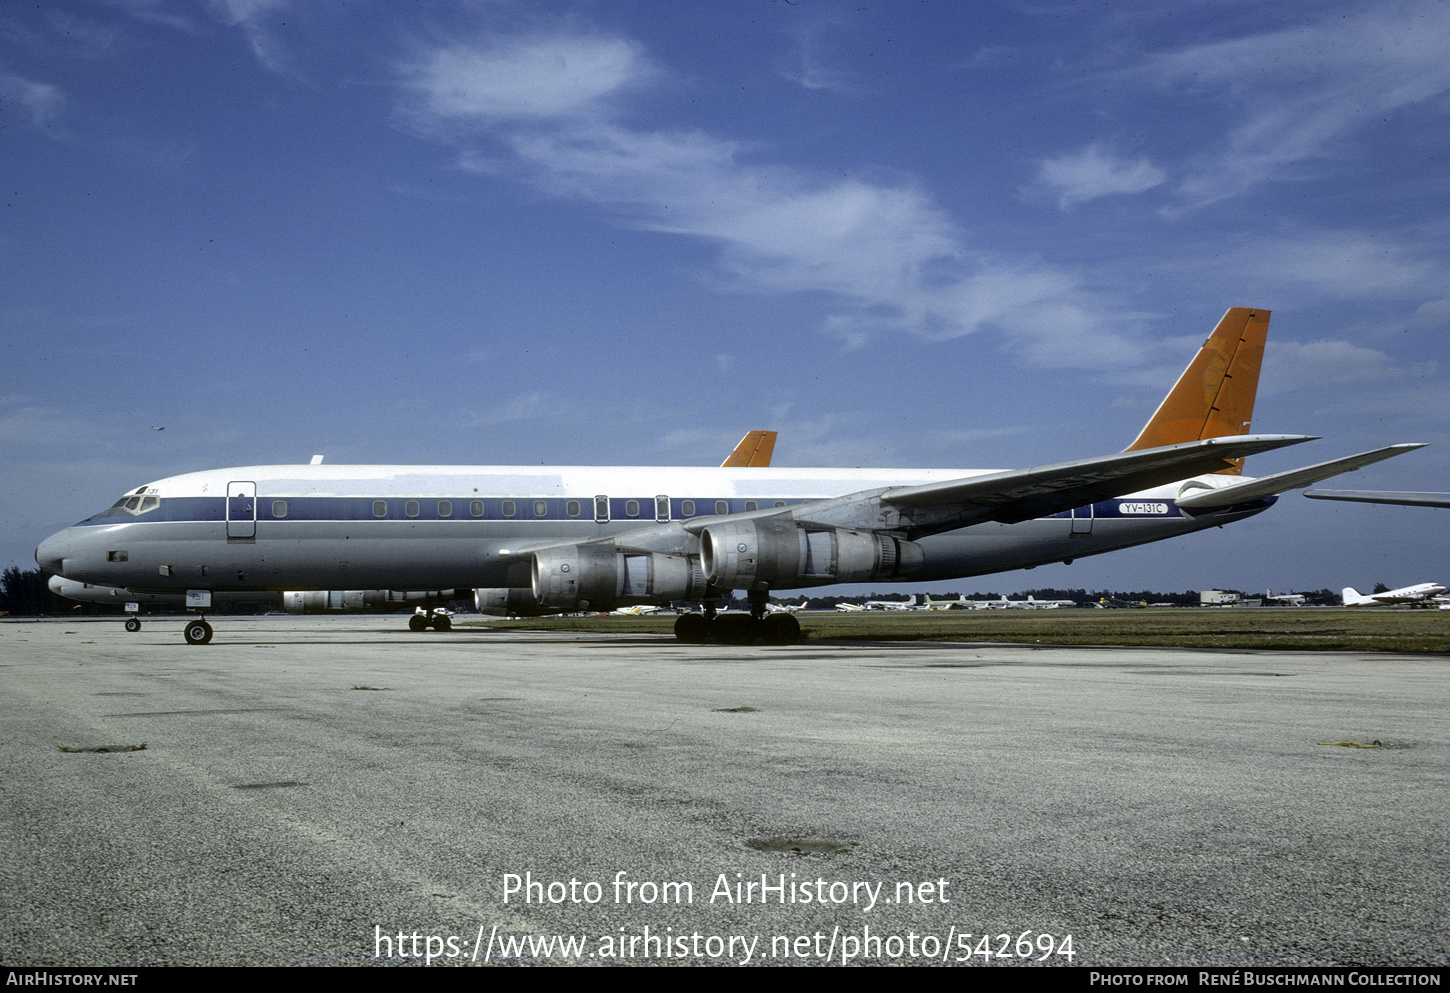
(137, 504)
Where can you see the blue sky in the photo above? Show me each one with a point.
(912, 234)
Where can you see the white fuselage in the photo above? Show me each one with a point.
(299, 527)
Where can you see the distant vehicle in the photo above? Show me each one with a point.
(1419, 594)
(1292, 599)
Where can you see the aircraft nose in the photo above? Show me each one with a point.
(51, 554)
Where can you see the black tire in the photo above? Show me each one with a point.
(735, 629)
(442, 623)
(780, 629)
(417, 623)
(692, 628)
(197, 633)
(133, 625)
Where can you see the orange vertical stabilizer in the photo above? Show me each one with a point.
(754, 451)
(1214, 397)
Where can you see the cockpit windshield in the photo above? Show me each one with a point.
(135, 503)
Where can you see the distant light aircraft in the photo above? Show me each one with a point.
(1370, 496)
(1420, 593)
(577, 538)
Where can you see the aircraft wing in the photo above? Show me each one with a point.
(1254, 489)
(1370, 496)
(1023, 494)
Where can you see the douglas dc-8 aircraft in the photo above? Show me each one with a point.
(577, 538)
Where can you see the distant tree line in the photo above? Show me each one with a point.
(24, 592)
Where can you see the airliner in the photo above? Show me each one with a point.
(1421, 594)
(597, 538)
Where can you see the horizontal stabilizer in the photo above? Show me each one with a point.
(1370, 496)
(1254, 489)
(1024, 494)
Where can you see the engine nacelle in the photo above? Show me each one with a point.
(602, 577)
(356, 601)
(787, 554)
(505, 602)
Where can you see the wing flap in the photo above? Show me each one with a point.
(1254, 489)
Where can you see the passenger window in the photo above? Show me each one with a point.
(780, 503)
(279, 508)
(572, 508)
(687, 508)
(475, 508)
(721, 507)
(508, 508)
(541, 508)
(116, 556)
(751, 505)
(380, 508)
(631, 508)
(411, 508)
(445, 508)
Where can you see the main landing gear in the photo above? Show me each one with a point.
(196, 632)
(739, 629)
(423, 620)
(133, 624)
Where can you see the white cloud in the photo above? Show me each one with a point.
(522, 79)
(1096, 172)
(1305, 91)
(43, 101)
(892, 259)
(1293, 365)
(1343, 264)
(254, 18)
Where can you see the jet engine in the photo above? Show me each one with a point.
(785, 553)
(504, 602)
(602, 577)
(354, 601)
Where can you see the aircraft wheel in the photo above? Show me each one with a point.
(133, 625)
(442, 623)
(197, 632)
(692, 628)
(417, 623)
(735, 629)
(780, 629)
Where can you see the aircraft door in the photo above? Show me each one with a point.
(1082, 521)
(241, 510)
